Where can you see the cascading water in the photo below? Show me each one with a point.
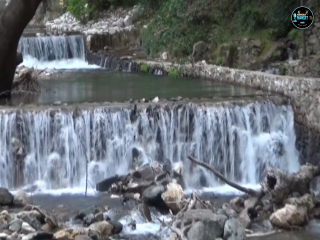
(60, 52)
(51, 146)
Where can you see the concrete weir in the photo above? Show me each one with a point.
(302, 93)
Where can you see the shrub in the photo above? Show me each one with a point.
(144, 68)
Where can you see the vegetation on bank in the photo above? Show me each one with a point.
(175, 25)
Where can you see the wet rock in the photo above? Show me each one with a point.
(26, 228)
(306, 201)
(86, 212)
(106, 184)
(82, 237)
(209, 225)
(94, 235)
(288, 216)
(42, 235)
(6, 198)
(47, 227)
(104, 228)
(21, 198)
(229, 211)
(15, 225)
(62, 234)
(244, 219)
(32, 221)
(152, 197)
(155, 100)
(174, 197)
(237, 204)
(57, 103)
(31, 214)
(117, 227)
(233, 230)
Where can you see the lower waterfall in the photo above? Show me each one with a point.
(50, 146)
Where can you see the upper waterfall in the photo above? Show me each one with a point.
(51, 145)
(53, 47)
(59, 52)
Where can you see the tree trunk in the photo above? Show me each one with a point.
(14, 18)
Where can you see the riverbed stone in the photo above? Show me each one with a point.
(174, 197)
(288, 216)
(15, 225)
(6, 198)
(233, 230)
(26, 228)
(306, 201)
(208, 224)
(21, 198)
(237, 204)
(104, 228)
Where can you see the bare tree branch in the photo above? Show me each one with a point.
(221, 177)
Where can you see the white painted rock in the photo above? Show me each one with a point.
(174, 197)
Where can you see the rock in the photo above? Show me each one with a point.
(21, 198)
(104, 228)
(152, 197)
(82, 237)
(57, 103)
(155, 100)
(289, 215)
(106, 184)
(89, 219)
(15, 225)
(32, 214)
(32, 221)
(47, 228)
(164, 56)
(237, 204)
(6, 198)
(174, 197)
(26, 228)
(99, 217)
(244, 218)
(117, 227)
(127, 21)
(209, 225)
(62, 234)
(233, 230)
(306, 201)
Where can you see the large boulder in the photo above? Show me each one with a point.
(304, 201)
(104, 228)
(233, 230)
(6, 198)
(174, 197)
(21, 198)
(208, 226)
(237, 204)
(152, 197)
(244, 218)
(288, 216)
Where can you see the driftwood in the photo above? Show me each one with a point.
(27, 81)
(276, 184)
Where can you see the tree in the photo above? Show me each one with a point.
(14, 18)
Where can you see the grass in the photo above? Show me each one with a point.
(144, 68)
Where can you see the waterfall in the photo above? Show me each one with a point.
(53, 47)
(51, 146)
(54, 52)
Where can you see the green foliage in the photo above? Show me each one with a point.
(295, 36)
(173, 72)
(282, 69)
(81, 9)
(144, 68)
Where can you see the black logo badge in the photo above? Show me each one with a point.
(302, 17)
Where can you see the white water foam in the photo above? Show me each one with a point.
(65, 64)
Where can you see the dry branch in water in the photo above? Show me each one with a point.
(27, 81)
(249, 191)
